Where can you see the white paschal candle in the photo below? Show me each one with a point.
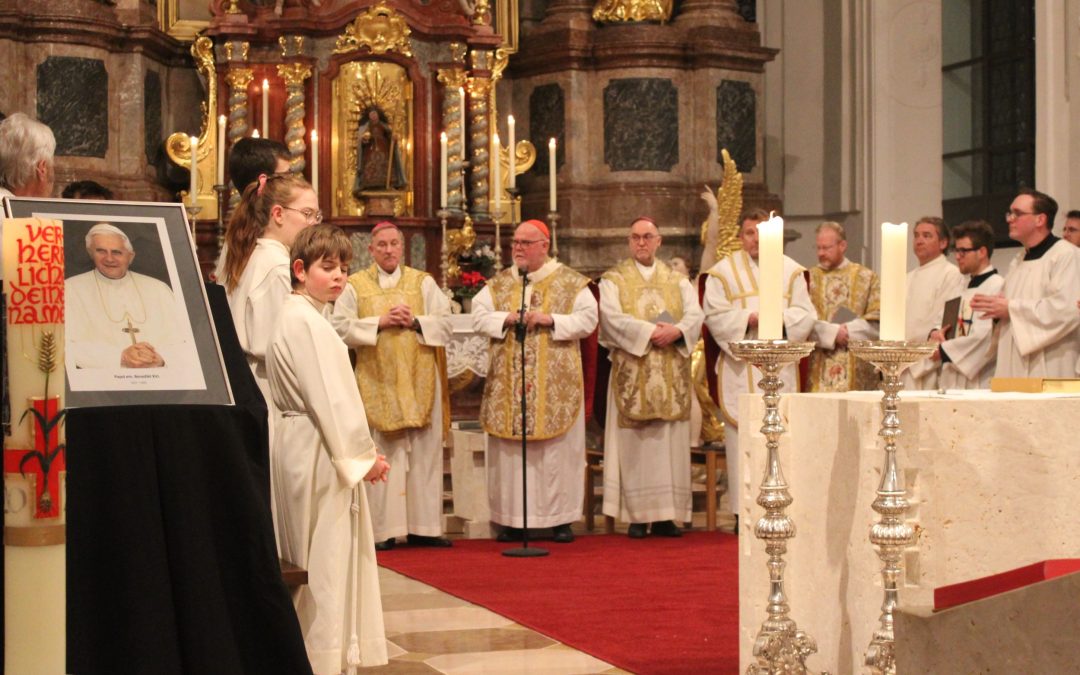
(221, 121)
(770, 278)
(266, 108)
(442, 169)
(496, 179)
(315, 161)
(511, 180)
(893, 281)
(551, 176)
(193, 188)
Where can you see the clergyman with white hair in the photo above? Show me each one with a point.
(26, 159)
(117, 318)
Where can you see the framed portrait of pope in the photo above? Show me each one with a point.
(137, 323)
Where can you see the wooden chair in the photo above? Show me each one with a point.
(712, 455)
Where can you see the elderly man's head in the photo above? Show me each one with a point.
(110, 249)
(26, 156)
(386, 246)
(530, 245)
(644, 240)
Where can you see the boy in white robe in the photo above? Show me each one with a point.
(967, 361)
(322, 450)
(1037, 324)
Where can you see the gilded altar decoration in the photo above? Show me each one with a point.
(294, 75)
(178, 145)
(380, 30)
(615, 11)
(479, 135)
(453, 122)
(712, 424)
(478, 11)
(458, 243)
(720, 231)
(372, 143)
(231, 49)
(291, 45)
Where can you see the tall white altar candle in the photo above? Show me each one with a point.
(442, 170)
(496, 189)
(893, 280)
(266, 108)
(221, 121)
(511, 144)
(771, 278)
(193, 191)
(315, 161)
(551, 175)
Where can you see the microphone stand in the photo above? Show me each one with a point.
(519, 334)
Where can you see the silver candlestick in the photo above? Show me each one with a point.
(780, 646)
(444, 265)
(553, 219)
(891, 534)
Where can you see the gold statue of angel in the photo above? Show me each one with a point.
(720, 231)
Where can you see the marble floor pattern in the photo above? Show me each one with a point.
(430, 631)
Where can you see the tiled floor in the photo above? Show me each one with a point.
(433, 632)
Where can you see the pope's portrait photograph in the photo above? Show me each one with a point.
(137, 328)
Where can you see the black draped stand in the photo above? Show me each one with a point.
(171, 562)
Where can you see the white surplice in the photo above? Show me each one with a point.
(321, 452)
(971, 359)
(731, 296)
(646, 468)
(98, 311)
(556, 465)
(929, 287)
(255, 304)
(411, 501)
(1040, 338)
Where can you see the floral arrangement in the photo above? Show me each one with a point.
(477, 266)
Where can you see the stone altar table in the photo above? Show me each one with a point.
(992, 480)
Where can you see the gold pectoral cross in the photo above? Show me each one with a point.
(131, 329)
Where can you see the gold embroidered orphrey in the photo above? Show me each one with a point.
(553, 367)
(380, 29)
(397, 376)
(855, 287)
(655, 386)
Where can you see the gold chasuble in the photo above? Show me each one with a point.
(397, 376)
(553, 375)
(655, 386)
(855, 287)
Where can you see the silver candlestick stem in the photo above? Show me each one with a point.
(891, 534)
(780, 646)
(444, 265)
(496, 217)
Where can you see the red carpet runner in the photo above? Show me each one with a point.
(649, 606)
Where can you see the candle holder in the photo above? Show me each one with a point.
(780, 647)
(444, 265)
(515, 205)
(553, 219)
(496, 217)
(193, 211)
(891, 534)
(222, 193)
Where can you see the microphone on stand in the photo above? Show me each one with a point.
(519, 327)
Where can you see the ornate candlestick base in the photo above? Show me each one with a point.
(780, 646)
(891, 534)
(444, 265)
(192, 213)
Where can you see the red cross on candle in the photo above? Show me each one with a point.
(47, 483)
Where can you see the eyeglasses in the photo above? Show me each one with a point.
(647, 238)
(964, 251)
(1013, 214)
(313, 217)
(525, 243)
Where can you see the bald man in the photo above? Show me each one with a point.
(560, 312)
(650, 321)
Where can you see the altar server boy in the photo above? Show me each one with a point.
(321, 451)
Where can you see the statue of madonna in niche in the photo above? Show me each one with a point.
(378, 155)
